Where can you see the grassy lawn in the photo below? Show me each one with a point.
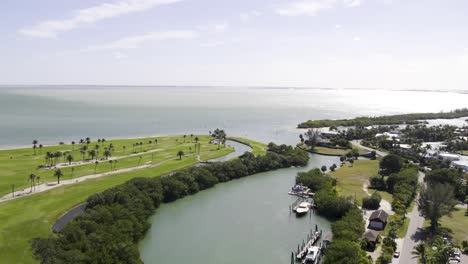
(352, 178)
(16, 165)
(258, 148)
(32, 216)
(457, 223)
(330, 151)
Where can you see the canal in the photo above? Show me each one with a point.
(241, 221)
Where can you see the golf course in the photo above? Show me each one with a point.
(43, 200)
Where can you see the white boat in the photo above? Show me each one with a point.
(303, 208)
(312, 256)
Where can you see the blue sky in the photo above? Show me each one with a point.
(396, 44)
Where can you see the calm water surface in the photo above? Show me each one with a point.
(242, 221)
(53, 114)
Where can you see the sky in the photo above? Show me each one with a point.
(382, 44)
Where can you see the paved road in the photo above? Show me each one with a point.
(357, 143)
(414, 234)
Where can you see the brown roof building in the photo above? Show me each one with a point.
(378, 220)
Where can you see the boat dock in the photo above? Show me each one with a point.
(312, 238)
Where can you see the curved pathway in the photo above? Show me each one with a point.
(357, 143)
(47, 186)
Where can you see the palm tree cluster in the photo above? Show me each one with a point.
(439, 252)
(34, 180)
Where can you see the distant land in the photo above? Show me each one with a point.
(410, 119)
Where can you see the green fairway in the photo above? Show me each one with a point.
(16, 165)
(258, 148)
(32, 216)
(352, 178)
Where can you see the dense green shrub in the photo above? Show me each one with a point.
(372, 202)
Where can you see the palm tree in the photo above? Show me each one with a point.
(57, 156)
(32, 179)
(110, 162)
(124, 147)
(58, 173)
(92, 153)
(420, 252)
(443, 251)
(155, 141)
(95, 166)
(191, 136)
(73, 145)
(180, 153)
(38, 179)
(185, 137)
(72, 171)
(196, 139)
(69, 158)
(115, 163)
(141, 146)
(107, 153)
(34, 147)
(40, 148)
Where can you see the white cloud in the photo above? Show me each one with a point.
(357, 38)
(313, 7)
(221, 27)
(134, 42)
(91, 15)
(352, 3)
(247, 16)
(305, 7)
(217, 28)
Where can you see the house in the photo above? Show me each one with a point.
(378, 220)
(372, 238)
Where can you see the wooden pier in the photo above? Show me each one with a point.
(312, 239)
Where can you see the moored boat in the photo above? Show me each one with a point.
(313, 255)
(303, 208)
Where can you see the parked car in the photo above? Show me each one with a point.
(396, 254)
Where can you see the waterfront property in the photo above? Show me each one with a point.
(378, 220)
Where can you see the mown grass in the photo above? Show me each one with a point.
(32, 216)
(351, 178)
(457, 224)
(16, 165)
(258, 148)
(331, 151)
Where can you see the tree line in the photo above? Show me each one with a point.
(115, 220)
(413, 118)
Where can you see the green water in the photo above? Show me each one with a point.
(242, 221)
